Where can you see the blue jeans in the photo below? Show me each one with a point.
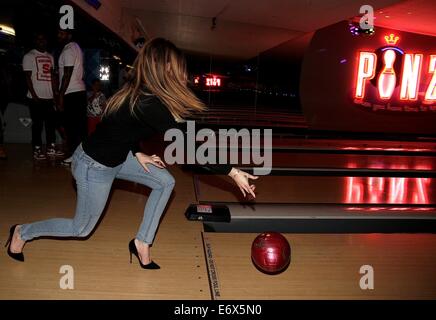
(94, 182)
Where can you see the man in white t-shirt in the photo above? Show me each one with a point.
(38, 66)
(72, 91)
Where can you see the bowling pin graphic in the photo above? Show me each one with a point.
(387, 78)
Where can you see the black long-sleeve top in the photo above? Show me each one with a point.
(121, 132)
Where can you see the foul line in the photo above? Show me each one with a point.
(211, 269)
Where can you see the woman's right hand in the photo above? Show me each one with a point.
(144, 159)
(241, 179)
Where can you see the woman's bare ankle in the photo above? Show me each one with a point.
(144, 251)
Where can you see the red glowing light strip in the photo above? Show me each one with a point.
(369, 209)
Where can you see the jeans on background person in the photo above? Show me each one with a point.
(75, 119)
(94, 182)
(43, 115)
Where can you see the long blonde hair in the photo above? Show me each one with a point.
(159, 67)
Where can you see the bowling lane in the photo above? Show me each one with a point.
(293, 143)
(319, 189)
(350, 145)
(309, 160)
(325, 266)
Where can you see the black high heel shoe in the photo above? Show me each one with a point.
(16, 256)
(133, 250)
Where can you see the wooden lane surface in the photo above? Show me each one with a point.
(327, 266)
(101, 263)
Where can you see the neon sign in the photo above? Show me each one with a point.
(208, 81)
(390, 68)
(392, 39)
(213, 82)
(387, 78)
(430, 94)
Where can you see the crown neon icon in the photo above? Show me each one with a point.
(392, 39)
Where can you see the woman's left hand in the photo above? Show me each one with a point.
(241, 179)
(144, 159)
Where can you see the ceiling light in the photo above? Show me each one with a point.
(7, 30)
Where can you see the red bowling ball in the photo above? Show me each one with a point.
(271, 253)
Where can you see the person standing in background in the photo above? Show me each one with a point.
(37, 66)
(71, 98)
(96, 105)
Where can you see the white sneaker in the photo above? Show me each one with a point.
(38, 154)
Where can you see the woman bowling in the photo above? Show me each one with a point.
(154, 100)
